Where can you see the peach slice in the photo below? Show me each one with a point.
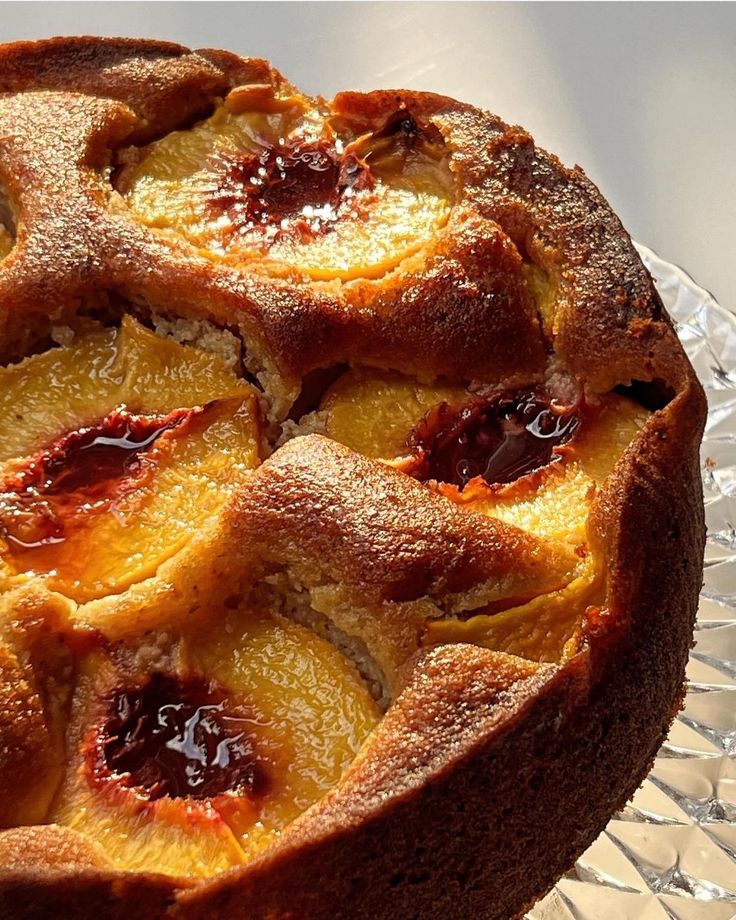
(374, 412)
(555, 504)
(194, 765)
(380, 414)
(267, 180)
(116, 449)
(35, 675)
(547, 628)
(172, 835)
(314, 711)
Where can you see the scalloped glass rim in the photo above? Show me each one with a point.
(671, 853)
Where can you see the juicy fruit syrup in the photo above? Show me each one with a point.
(499, 439)
(179, 739)
(297, 187)
(79, 476)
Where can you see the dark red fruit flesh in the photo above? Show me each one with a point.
(180, 739)
(498, 438)
(80, 474)
(280, 185)
(298, 186)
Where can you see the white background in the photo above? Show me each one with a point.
(642, 95)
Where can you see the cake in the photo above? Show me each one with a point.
(351, 527)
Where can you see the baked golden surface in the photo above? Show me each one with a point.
(350, 517)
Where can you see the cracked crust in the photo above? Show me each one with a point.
(489, 774)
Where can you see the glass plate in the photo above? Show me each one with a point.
(671, 853)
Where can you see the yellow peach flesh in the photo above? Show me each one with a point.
(310, 714)
(171, 186)
(374, 412)
(315, 710)
(193, 468)
(136, 835)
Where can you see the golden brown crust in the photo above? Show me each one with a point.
(84, 894)
(513, 805)
(489, 775)
(35, 668)
(317, 500)
(48, 846)
(161, 82)
(558, 220)
(336, 525)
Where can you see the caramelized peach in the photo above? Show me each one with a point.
(555, 504)
(194, 764)
(382, 415)
(374, 412)
(547, 628)
(170, 835)
(277, 183)
(123, 443)
(556, 501)
(314, 711)
(546, 488)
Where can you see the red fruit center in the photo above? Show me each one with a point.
(80, 474)
(180, 739)
(295, 186)
(498, 438)
(301, 187)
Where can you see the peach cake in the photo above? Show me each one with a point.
(350, 516)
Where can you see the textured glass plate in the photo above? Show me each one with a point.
(671, 853)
